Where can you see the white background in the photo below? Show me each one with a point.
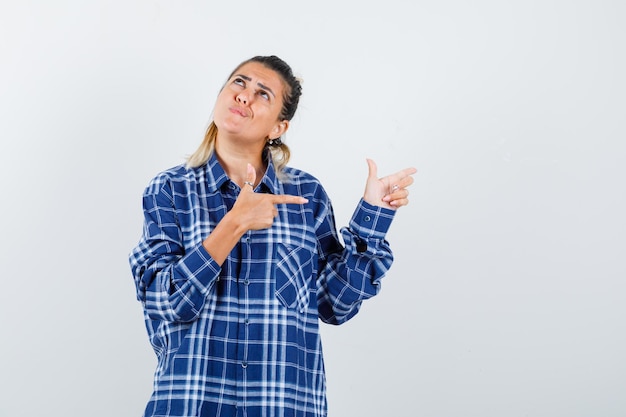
(508, 295)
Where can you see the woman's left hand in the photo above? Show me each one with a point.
(390, 191)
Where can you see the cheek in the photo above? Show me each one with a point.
(223, 101)
(223, 95)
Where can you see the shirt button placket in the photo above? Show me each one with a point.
(246, 284)
(243, 330)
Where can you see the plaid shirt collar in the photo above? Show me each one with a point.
(217, 177)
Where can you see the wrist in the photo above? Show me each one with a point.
(234, 224)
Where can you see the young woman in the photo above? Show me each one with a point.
(240, 257)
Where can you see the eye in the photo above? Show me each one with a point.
(263, 94)
(240, 82)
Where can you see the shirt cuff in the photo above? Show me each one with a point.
(369, 221)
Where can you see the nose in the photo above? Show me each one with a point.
(242, 98)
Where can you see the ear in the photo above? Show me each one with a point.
(279, 129)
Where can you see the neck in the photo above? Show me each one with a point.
(235, 158)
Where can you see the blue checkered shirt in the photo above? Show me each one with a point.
(242, 338)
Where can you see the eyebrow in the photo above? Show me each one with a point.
(245, 77)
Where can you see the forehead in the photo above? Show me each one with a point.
(259, 73)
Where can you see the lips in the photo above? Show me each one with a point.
(238, 110)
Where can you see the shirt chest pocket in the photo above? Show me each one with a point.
(293, 272)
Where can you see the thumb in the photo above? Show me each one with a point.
(250, 175)
(373, 169)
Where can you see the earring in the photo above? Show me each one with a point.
(275, 142)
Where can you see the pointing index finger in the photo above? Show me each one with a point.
(407, 172)
(288, 199)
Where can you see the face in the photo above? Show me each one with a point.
(249, 106)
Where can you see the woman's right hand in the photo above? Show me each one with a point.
(251, 211)
(254, 211)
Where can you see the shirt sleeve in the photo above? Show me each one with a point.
(171, 282)
(348, 275)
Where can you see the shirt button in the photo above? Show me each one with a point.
(246, 281)
(244, 364)
(367, 218)
(246, 321)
